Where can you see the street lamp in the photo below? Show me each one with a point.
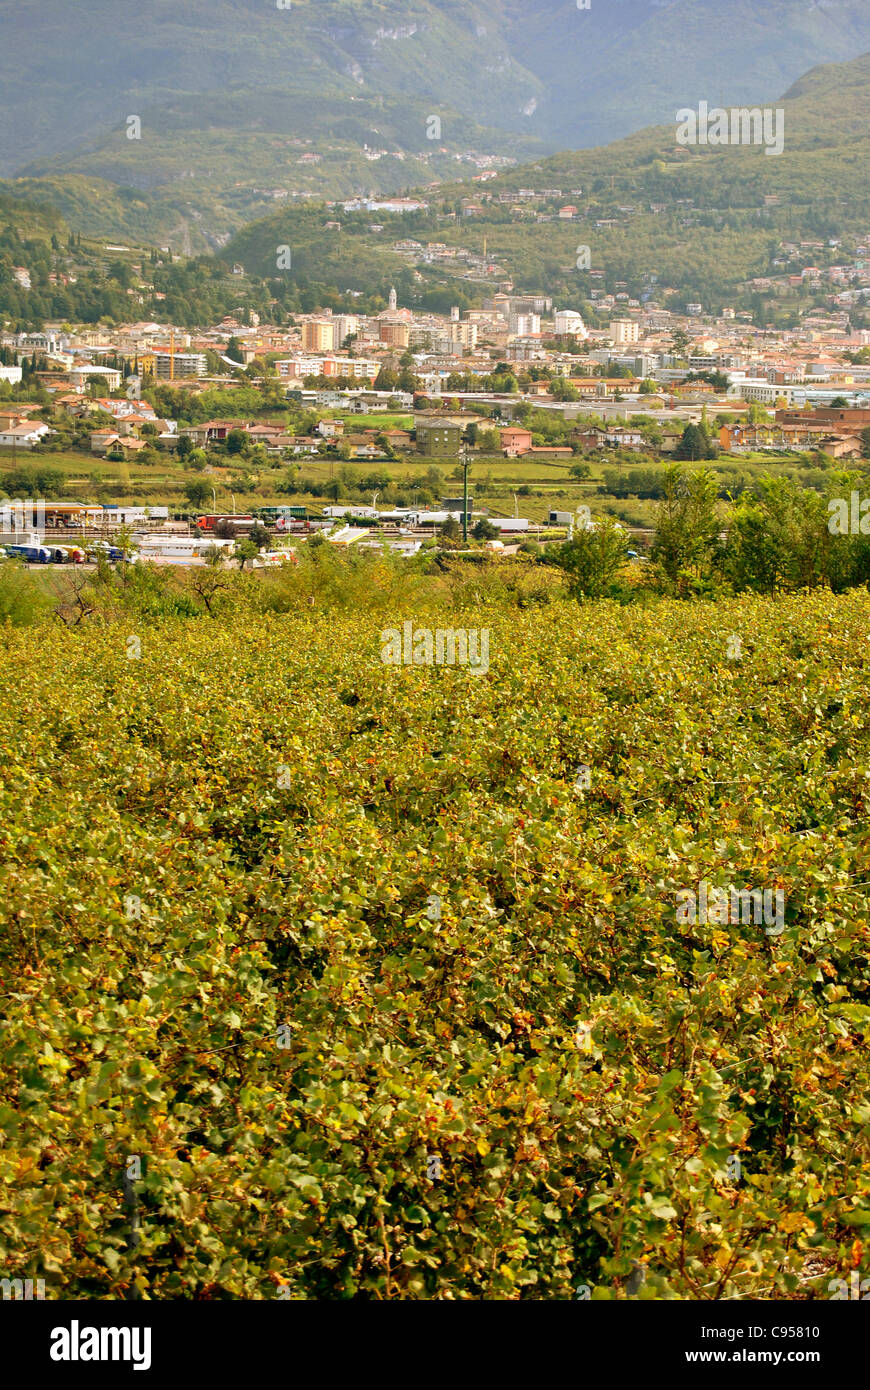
(465, 494)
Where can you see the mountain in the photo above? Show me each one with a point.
(36, 221)
(701, 220)
(241, 100)
(200, 185)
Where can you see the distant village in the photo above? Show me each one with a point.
(488, 368)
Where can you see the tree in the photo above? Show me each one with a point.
(865, 443)
(184, 446)
(197, 492)
(450, 530)
(225, 530)
(680, 342)
(483, 530)
(562, 390)
(779, 537)
(489, 442)
(591, 559)
(245, 550)
(236, 441)
(124, 543)
(259, 535)
(687, 526)
(695, 444)
(234, 350)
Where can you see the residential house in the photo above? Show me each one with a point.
(214, 431)
(515, 441)
(550, 451)
(102, 440)
(362, 446)
(439, 436)
(23, 436)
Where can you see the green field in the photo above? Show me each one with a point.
(493, 481)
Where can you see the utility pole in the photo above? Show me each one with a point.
(464, 494)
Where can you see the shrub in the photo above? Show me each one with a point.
(217, 920)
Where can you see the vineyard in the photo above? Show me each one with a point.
(331, 979)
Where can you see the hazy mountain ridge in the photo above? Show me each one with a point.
(704, 219)
(70, 75)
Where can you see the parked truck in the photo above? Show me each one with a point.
(30, 554)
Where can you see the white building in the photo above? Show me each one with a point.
(624, 331)
(23, 436)
(79, 375)
(342, 325)
(356, 368)
(567, 322)
(524, 325)
(180, 364)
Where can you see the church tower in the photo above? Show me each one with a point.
(392, 299)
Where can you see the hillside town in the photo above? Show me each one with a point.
(520, 378)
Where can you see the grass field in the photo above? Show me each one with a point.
(493, 481)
